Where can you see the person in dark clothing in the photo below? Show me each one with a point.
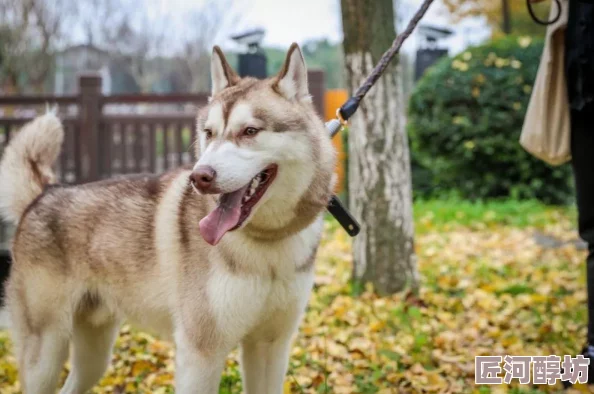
(579, 70)
(579, 76)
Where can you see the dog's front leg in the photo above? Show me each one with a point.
(265, 351)
(264, 365)
(196, 371)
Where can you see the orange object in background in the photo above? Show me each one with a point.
(333, 99)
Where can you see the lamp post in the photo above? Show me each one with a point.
(252, 63)
(506, 17)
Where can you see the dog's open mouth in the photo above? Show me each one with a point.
(234, 208)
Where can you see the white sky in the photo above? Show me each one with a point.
(286, 21)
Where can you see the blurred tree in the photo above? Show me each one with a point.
(149, 47)
(212, 18)
(124, 30)
(328, 57)
(379, 161)
(320, 54)
(30, 31)
(504, 16)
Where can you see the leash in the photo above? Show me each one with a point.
(335, 206)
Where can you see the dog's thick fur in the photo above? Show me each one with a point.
(87, 257)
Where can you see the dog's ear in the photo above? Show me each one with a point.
(291, 81)
(221, 72)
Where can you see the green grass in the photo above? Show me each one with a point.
(453, 212)
(450, 213)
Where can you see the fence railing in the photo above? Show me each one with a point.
(100, 142)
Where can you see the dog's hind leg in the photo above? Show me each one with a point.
(42, 356)
(92, 346)
(40, 333)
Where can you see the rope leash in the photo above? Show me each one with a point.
(335, 206)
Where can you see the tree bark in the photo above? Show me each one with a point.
(380, 190)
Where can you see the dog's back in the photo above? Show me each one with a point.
(104, 224)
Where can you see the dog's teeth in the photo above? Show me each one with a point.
(254, 184)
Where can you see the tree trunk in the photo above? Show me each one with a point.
(380, 194)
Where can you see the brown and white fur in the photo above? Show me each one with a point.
(87, 257)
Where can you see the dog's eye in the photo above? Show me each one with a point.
(250, 131)
(208, 133)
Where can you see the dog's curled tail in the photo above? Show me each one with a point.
(26, 166)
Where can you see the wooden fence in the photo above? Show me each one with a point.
(110, 135)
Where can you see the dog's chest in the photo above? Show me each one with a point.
(241, 303)
(262, 281)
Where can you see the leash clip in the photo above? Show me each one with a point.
(342, 121)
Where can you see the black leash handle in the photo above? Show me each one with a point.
(350, 107)
(335, 207)
(540, 21)
(343, 216)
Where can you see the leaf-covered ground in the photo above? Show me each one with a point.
(499, 278)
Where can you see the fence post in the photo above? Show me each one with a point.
(90, 117)
(317, 88)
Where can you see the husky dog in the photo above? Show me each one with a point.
(215, 256)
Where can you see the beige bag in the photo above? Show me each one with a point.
(546, 131)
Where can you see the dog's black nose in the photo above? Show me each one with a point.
(203, 179)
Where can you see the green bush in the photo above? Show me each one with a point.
(465, 119)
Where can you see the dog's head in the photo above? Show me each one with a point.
(264, 150)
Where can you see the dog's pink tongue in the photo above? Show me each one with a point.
(224, 217)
